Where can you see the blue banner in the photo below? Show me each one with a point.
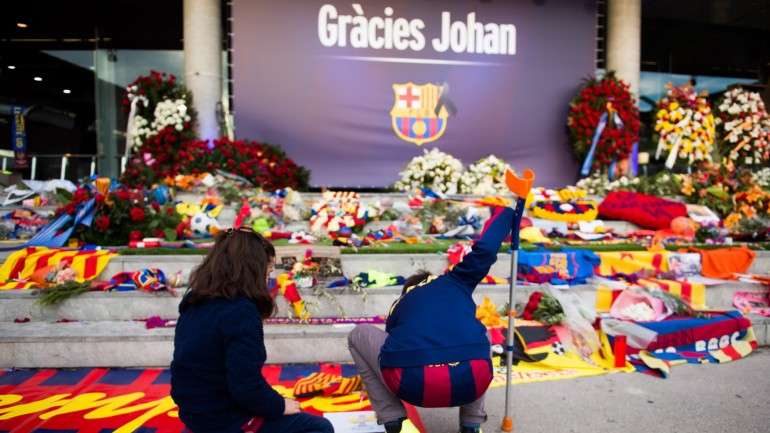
(19, 136)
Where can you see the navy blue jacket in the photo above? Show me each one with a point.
(216, 374)
(435, 323)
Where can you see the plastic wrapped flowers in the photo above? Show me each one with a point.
(433, 169)
(685, 126)
(485, 177)
(744, 127)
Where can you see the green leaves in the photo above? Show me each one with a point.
(60, 293)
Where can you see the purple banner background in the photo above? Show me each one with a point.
(333, 114)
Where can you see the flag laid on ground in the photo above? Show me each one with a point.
(22, 264)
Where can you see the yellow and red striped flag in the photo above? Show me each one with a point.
(22, 264)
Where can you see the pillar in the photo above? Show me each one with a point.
(624, 40)
(203, 61)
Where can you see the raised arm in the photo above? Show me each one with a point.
(475, 266)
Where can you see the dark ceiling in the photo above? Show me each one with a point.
(717, 37)
(75, 24)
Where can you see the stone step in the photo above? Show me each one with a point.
(352, 264)
(130, 344)
(336, 302)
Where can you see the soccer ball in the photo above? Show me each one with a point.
(204, 225)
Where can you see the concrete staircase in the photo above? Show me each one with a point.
(106, 329)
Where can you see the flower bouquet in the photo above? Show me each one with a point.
(264, 165)
(743, 125)
(685, 126)
(121, 214)
(711, 186)
(485, 177)
(433, 169)
(161, 120)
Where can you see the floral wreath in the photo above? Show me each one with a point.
(603, 101)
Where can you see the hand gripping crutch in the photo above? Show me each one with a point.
(520, 187)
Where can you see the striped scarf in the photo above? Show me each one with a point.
(693, 294)
(632, 262)
(720, 338)
(324, 383)
(19, 267)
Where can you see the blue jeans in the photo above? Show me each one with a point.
(299, 423)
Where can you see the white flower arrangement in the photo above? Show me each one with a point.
(599, 185)
(762, 178)
(167, 112)
(485, 177)
(433, 169)
(744, 127)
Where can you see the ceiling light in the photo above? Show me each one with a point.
(11, 67)
(67, 91)
(21, 25)
(38, 79)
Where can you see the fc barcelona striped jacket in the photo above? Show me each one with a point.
(436, 323)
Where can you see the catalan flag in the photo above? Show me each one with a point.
(22, 264)
(693, 294)
(631, 262)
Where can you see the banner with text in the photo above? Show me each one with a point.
(353, 91)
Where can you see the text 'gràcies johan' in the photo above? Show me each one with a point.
(389, 32)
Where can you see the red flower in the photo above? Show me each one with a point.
(158, 233)
(180, 229)
(156, 206)
(99, 198)
(81, 195)
(135, 235)
(102, 223)
(137, 214)
(122, 195)
(69, 208)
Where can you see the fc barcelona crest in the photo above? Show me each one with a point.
(419, 114)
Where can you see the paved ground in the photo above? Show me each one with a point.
(701, 398)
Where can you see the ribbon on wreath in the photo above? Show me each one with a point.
(603, 119)
(131, 125)
(674, 152)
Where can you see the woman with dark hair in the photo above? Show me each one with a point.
(219, 348)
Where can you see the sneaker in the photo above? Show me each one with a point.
(470, 430)
(394, 426)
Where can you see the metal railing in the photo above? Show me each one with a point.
(68, 165)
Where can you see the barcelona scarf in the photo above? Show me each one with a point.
(719, 338)
(326, 383)
(693, 294)
(22, 264)
(560, 267)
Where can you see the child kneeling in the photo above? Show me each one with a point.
(433, 352)
(219, 348)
